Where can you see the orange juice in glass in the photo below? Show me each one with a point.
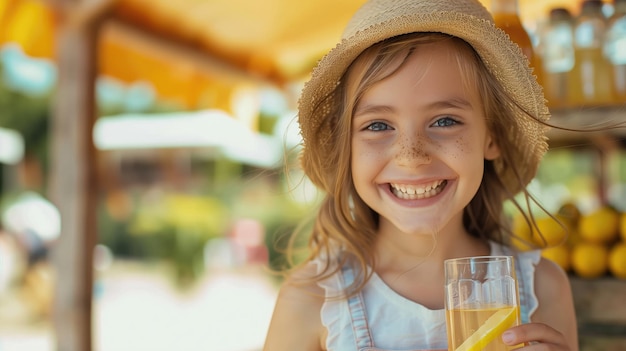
(482, 302)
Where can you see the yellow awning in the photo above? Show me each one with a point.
(275, 40)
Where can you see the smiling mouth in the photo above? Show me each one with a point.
(412, 192)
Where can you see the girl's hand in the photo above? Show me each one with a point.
(537, 336)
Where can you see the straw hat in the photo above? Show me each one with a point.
(378, 20)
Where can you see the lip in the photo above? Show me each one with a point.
(386, 187)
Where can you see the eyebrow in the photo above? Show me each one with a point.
(454, 102)
(373, 109)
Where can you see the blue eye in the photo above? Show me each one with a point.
(445, 122)
(378, 126)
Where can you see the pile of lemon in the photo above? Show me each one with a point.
(589, 245)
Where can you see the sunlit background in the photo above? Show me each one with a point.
(196, 144)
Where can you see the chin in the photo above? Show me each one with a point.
(421, 228)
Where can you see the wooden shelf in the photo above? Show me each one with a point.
(600, 301)
(600, 127)
(601, 312)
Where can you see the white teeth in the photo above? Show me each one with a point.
(409, 192)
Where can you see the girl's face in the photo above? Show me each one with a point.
(419, 141)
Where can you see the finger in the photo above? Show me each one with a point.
(533, 332)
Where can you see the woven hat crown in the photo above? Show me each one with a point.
(380, 11)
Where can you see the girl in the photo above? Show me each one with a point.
(418, 125)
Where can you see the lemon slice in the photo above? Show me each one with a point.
(492, 328)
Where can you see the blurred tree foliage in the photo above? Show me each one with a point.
(267, 199)
(29, 115)
(172, 226)
(181, 224)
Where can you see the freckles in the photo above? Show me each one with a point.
(420, 150)
(462, 147)
(410, 149)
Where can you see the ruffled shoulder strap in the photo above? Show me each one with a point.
(335, 314)
(525, 262)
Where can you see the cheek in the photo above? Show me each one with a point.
(461, 149)
(366, 163)
(359, 170)
(466, 154)
(363, 158)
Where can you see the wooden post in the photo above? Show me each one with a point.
(73, 184)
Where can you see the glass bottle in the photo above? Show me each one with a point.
(615, 48)
(592, 75)
(557, 50)
(506, 17)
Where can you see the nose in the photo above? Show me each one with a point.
(411, 151)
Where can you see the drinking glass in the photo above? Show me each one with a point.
(482, 302)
